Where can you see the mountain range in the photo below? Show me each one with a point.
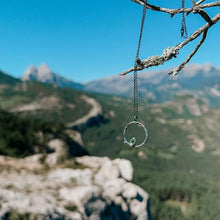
(201, 81)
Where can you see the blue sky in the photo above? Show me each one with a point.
(87, 40)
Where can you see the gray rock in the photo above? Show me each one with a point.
(125, 168)
(101, 191)
(93, 162)
(77, 176)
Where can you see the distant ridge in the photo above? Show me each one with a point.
(45, 75)
(201, 81)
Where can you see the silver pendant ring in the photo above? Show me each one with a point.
(132, 142)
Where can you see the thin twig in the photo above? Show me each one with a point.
(193, 2)
(199, 2)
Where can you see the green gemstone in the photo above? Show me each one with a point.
(132, 142)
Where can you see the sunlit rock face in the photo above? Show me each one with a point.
(42, 73)
(30, 73)
(99, 188)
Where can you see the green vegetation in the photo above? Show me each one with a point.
(7, 80)
(15, 215)
(19, 136)
(182, 183)
(71, 207)
(53, 104)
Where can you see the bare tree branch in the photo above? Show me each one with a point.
(172, 12)
(172, 52)
(168, 54)
(199, 2)
(202, 13)
(182, 65)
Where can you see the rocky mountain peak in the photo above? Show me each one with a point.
(44, 73)
(44, 68)
(30, 69)
(30, 73)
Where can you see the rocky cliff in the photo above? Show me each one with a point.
(93, 188)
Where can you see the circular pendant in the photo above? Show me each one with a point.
(132, 142)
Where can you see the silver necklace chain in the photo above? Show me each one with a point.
(135, 78)
(135, 89)
(132, 142)
(183, 27)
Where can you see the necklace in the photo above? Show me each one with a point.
(132, 142)
(183, 27)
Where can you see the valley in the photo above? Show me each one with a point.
(178, 167)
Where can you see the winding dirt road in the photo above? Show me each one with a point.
(95, 111)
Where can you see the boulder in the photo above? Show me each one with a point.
(93, 162)
(102, 190)
(125, 168)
